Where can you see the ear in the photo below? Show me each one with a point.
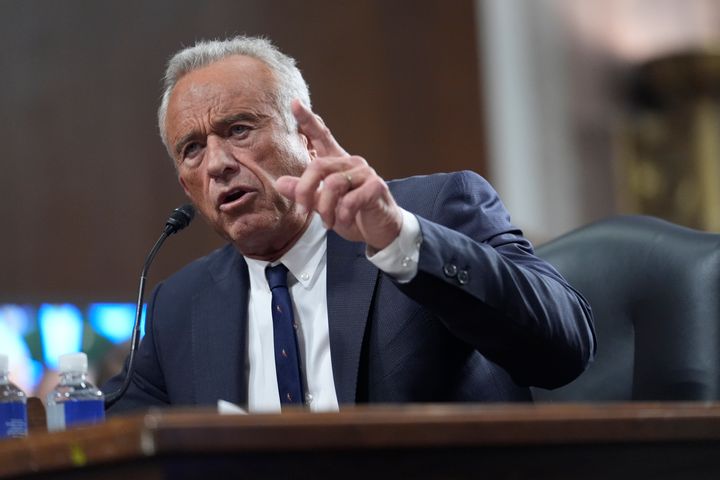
(307, 144)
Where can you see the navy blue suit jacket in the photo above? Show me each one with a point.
(482, 320)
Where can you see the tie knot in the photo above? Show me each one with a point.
(276, 276)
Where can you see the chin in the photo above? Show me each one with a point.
(246, 231)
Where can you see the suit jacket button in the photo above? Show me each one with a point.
(450, 270)
(463, 277)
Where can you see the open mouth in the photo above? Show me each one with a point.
(229, 198)
(232, 196)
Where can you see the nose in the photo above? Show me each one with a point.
(220, 161)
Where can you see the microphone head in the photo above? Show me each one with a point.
(179, 219)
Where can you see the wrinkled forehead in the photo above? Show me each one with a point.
(229, 86)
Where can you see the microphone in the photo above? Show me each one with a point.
(179, 219)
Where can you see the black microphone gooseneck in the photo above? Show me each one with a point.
(179, 219)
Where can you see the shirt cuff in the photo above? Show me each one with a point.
(400, 258)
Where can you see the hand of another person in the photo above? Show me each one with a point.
(350, 197)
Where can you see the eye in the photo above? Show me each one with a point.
(239, 130)
(190, 150)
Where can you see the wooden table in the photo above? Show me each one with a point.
(640, 440)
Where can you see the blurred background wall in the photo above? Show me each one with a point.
(597, 107)
(558, 102)
(87, 184)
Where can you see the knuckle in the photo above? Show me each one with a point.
(373, 183)
(357, 160)
(333, 183)
(319, 163)
(301, 190)
(343, 215)
(380, 185)
(350, 202)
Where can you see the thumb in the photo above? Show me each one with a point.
(286, 186)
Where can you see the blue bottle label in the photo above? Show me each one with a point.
(84, 412)
(13, 419)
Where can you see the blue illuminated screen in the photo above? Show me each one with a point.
(34, 336)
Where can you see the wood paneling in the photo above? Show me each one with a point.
(85, 183)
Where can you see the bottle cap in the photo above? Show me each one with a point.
(73, 362)
(3, 364)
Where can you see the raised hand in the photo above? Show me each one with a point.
(347, 193)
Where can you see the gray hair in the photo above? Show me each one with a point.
(290, 83)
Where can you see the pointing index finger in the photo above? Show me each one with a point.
(315, 130)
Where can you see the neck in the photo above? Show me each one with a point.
(276, 253)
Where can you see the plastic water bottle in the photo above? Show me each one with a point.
(75, 401)
(13, 405)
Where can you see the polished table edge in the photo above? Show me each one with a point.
(197, 431)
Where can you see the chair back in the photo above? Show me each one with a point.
(654, 288)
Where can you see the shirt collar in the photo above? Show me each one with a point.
(303, 260)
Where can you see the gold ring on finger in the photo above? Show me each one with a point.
(348, 177)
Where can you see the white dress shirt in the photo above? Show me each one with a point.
(306, 262)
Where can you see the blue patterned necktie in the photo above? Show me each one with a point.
(287, 356)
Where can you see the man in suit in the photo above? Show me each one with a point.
(415, 290)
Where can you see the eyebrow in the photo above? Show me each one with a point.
(238, 117)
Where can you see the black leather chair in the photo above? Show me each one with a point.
(654, 288)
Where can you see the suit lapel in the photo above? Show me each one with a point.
(219, 330)
(219, 323)
(351, 280)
